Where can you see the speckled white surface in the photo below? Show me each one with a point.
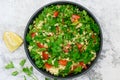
(14, 14)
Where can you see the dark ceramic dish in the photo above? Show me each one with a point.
(26, 44)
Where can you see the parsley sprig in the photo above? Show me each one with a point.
(27, 70)
(9, 65)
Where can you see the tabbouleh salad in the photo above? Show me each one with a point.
(63, 40)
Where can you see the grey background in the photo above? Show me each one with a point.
(14, 15)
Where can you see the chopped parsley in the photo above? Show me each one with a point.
(63, 40)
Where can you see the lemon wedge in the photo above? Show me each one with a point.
(12, 40)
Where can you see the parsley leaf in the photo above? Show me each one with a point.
(67, 69)
(9, 65)
(56, 63)
(28, 38)
(15, 73)
(78, 69)
(28, 71)
(22, 62)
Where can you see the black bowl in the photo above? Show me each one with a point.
(26, 44)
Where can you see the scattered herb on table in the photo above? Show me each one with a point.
(15, 73)
(9, 65)
(22, 62)
(27, 70)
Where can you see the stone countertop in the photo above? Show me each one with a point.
(14, 14)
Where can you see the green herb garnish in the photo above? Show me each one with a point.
(9, 65)
(22, 62)
(15, 73)
(67, 36)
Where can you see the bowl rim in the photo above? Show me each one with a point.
(35, 15)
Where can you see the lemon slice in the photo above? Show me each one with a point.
(12, 40)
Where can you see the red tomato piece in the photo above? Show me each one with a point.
(40, 45)
(63, 62)
(93, 36)
(33, 34)
(68, 46)
(75, 17)
(45, 55)
(66, 50)
(79, 46)
(48, 66)
(83, 65)
(55, 14)
(74, 67)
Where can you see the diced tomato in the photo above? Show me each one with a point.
(66, 50)
(83, 65)
(40, 45)
(45, 55)
(63, 62)
(93, 36)
(55, 14)
(48, 66)
(68, 46)
(79, 46)
(75, 17)
(33, 34)
(74, 67)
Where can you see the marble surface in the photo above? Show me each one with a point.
(14, 14)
